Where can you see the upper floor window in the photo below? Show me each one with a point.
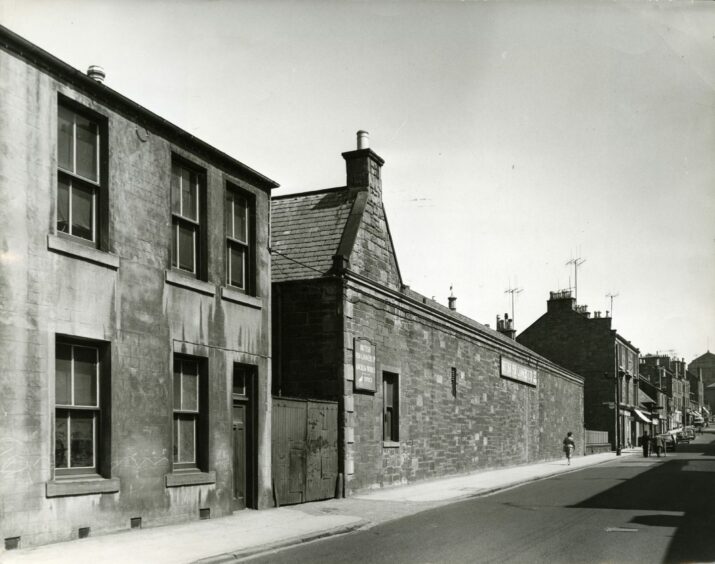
(79, 175)
(186, 214)
(78, 408)
(239, 255)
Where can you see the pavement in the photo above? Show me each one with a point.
(248, 533)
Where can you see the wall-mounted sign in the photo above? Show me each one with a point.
(516, 371)
(364, 361)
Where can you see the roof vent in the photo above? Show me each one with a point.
(363, 140)
(95, 72)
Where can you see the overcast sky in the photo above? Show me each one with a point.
(516, 135)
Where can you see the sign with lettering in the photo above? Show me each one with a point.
(364, 352)
(516, 371)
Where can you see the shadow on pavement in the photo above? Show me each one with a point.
(682, 485)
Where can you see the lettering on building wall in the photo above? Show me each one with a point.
(516, 371)
(364, 352)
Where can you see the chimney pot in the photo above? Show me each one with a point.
(363, 140)
(95, 72)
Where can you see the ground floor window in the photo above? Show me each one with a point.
(78, 407)
(190, 437)
(391, 411)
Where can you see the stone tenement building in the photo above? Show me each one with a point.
(705, 363)
(671, 374)
(134, 308)
(421, 390)
(567, 335)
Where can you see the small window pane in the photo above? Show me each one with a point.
(177, 384)
(240, 212)
(387, 429)
(228, 214)
(239, 381)
(186, 248)
(61, 443)
(63, 375)
(190, 398)
(176, 189)
(85, 376)
(236, 259)
(86, 152)
(188, 194)
(176, 438)
(64, 139)
(187, 429)
(63, 205)
(82, 440)
(82, 211)
(388, 394)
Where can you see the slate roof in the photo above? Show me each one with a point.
(307, 227)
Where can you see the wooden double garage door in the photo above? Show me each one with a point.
(304, 450)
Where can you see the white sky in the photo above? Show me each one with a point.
(516, 135)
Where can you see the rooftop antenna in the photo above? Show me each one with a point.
(578, 261)
(513, 291)
(612, 295)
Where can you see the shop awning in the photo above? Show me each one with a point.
(642, 416)
(644, 398)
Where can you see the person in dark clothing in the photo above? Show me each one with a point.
(646, 444)
(569, 446)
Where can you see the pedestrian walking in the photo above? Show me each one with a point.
(569, 446)
(646, 444)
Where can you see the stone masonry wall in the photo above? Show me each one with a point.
(491, 422)
(572, 341)
(142, 318)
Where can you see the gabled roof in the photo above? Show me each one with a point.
(306, 230)
(101, 92)
(708, 356)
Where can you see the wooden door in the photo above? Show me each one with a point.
(240, 463)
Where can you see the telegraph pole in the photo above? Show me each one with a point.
(578, 261)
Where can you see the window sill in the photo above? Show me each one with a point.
(231, 295)
(184, 281)
(390, 444)
(189, 478)
(81, 486)
(66, 246)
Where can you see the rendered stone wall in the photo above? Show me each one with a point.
(131, 307)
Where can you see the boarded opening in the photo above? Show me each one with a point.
(135, 522)
(83, 532)
(205, 513)
(304, 450)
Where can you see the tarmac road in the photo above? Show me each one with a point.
(629, 510)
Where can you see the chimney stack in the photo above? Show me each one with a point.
(95, 72)
(363, 167)
(363, 140)
(452, 300)
(506, 326)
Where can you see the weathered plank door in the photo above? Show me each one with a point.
(304, 449)
(322, 443)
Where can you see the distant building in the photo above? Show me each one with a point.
(135, 308)
(567, 335)
(421, 391)
(705, 364)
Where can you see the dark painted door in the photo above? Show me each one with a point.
(239, 455)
